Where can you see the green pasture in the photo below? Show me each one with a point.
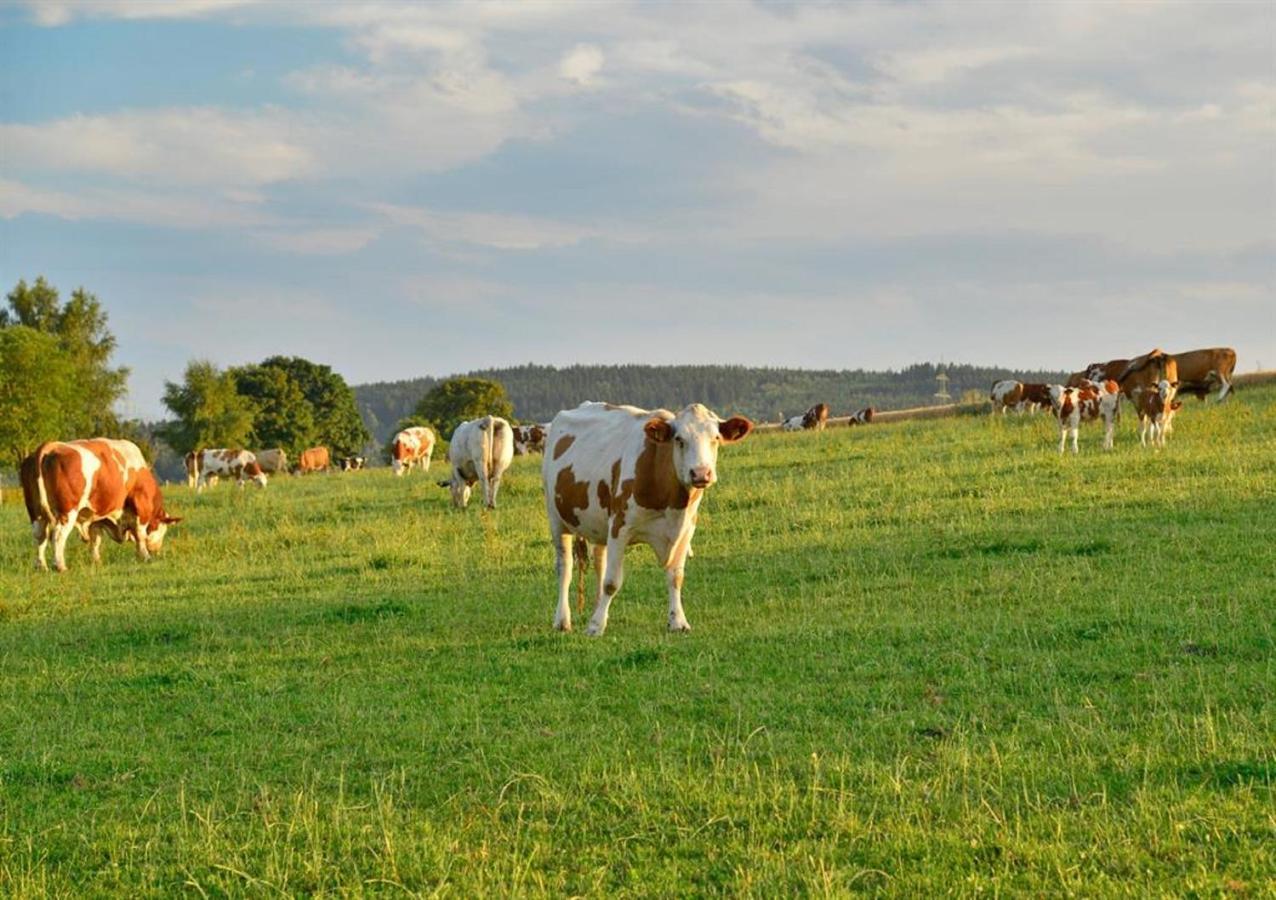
(928, 658)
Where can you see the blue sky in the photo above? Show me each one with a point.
(400, 189)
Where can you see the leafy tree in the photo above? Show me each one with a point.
(335, 417)
(80, 329)
(38, 392)
(285, 418)
(457, 399)
(209, 410)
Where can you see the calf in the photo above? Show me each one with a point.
(617, 475)
(480, 451)
(315, 459)
(1144, 373)
(1156, 410)
(238, 464)
(1074, 405)
(411, 447)
(528, 439)
(99, 486)
(352, 463)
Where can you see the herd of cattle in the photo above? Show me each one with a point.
(612, 475)
(1150, 382)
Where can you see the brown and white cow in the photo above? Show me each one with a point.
(411, 447)
(315, 459)
(1200, 371)
(1005, 394)
(480, 451)
(1144, 373)
(529, 439)
(98, 486)
(814, 419)
(1098, 373)
(617, 475)
(351, 463)
(241, 465)
(1156, 410)
(863, 417)
(1074, 405)
(273, 461)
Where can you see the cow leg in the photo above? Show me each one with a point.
(40, 533)
(1063, 437)
(61, 532)
(1108, 428)
(1075, 430)
(673, 578)
(563, 565)
(1225, 389)
(425, 464)
(95, 544)
(138, 531)
(600, 570)
(612, 580)
(490, 487)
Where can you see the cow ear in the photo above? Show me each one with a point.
(1174, 384)
(734, 429)
(170, 520)
(658, 429)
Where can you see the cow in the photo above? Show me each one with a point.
(238, 464)
(316, 459)
(1200, 371)
(1156, 410)
(617, 475)
(272, 462)
(410, 447)
(1005, 394)
(1074, 405)
(480, 451)
(529, 439)
(863, 417)
(814, 419)
(1144, 373)
(98, 486)
(352, 463)
(1098, 373)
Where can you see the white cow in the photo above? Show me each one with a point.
(209, 465)
(480, 451)
(617, 475)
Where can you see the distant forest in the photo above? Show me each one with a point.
(538, 392)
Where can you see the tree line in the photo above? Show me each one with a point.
(762, 393)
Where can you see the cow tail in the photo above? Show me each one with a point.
(580, 552)
(489, 441)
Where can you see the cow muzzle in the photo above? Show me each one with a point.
(701, 478)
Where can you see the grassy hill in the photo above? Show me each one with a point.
(930, 657)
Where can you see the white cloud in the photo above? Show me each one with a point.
(169, 209)
(500, 232)
(60, 12)
(581, 64)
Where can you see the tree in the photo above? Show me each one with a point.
(38, 392)
(285, 418)
(209, 410)
(332, 407)
(458, 399)
(80, 329)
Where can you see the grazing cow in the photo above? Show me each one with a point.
(863, 417)
(616, 475)
(316, 459)
(480, 451)
(238, 464)
(529, 439)
(99, 486)
(1005, 394)
(410, 447)
(1200, 371)
(1156, 410)
(1144, 373)
(352, 463)
(1074, 405)
(814, 419)
(272, 462)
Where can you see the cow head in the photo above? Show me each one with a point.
(253, 470)
(695, 434)
(156, 530)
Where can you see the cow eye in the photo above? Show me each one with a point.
(679, 441)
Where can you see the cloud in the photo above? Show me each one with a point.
(496, 231)
(183, 210)
(581, 64)
(61, 12)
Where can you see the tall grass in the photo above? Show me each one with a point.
(930, 657)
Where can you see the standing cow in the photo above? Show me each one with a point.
(1090, 401)
(410, 447)
(480, 451)
(617, 475)
(242, 465)
(315, 459)
(529, 439)
(1144, 373)
(273, 462)
(99, 486)
(1156, 410)
(1200, 371)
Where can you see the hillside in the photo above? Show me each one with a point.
(928, 658)
(539, 392)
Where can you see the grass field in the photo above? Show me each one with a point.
(928, 658)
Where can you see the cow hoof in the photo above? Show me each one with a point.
(595, 630)
(564, 627)
(676, 627)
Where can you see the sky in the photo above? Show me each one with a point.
(403, 189)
